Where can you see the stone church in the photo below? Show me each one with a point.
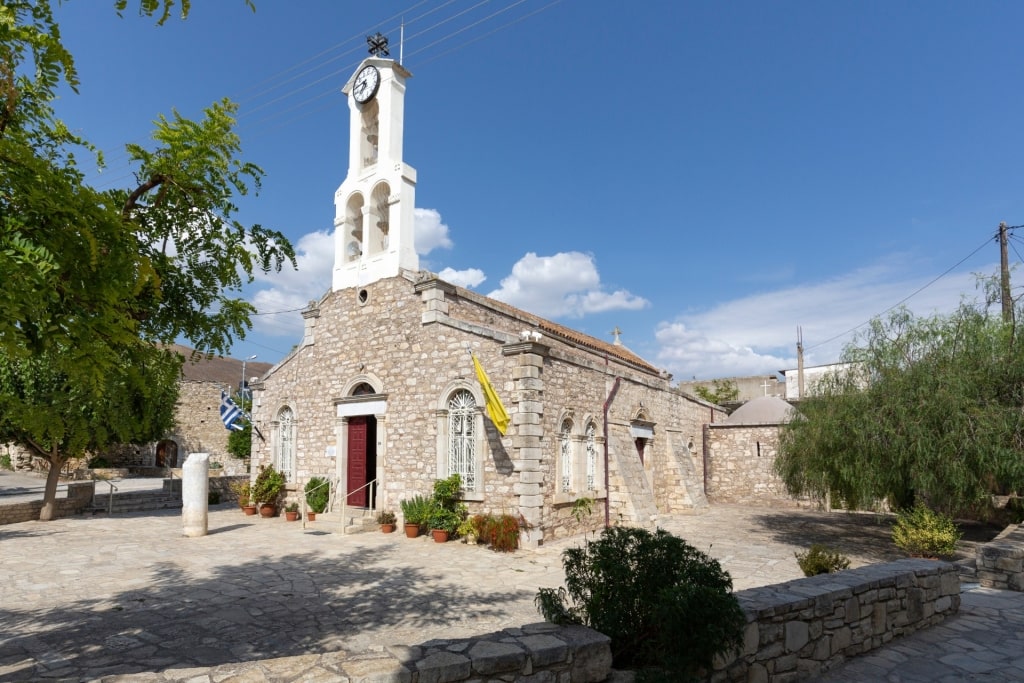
(382, 389)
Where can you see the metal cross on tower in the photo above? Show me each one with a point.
(378, 45)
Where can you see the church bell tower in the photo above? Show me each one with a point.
(373, 220)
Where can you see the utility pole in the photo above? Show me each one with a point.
(1004, 276)
(799, 364)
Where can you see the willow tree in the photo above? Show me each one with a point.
(92, 278)
(928, 409)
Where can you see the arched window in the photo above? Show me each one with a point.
(565, 459)
(284, 453)
(591, 442)
(462, 414)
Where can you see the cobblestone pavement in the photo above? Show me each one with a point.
(129, 598)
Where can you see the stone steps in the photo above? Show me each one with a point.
(135, 501)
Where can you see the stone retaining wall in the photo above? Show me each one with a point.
(1000, 563)
(79, 497)
(535, 653)
(799, 629)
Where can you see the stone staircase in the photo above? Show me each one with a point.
(135, 501)
(356, 521)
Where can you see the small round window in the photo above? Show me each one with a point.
(363, 296)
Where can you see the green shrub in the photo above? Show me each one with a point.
(213, 498)
(268, 487)
(318, 494)
(667, 607)
(922, 532)
(416, 510)
(5, 462)
(821, 560)
(446, 491)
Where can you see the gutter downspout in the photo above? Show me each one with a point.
(607, 493)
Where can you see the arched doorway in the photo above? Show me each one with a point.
(167, 453)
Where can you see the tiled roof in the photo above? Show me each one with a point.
(217, 369)
(568, 334)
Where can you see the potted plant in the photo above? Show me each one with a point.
(243, 492)
(291, 512)
(386, 519)
(267, 489)
(443, 524)
(416, 511)
(318, 494)
(447, 512)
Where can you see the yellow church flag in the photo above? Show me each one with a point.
(499, 416)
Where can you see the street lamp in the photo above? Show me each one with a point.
(242, 387)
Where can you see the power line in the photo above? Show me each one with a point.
(910, 296)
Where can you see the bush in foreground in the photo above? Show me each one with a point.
(922, 532)
(667, 607)
(821, 560)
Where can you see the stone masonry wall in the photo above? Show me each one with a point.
(78, 498)
(740, 461)
(802, 628)
(412, 341)
(1000, 563)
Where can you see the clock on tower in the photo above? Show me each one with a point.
(373, 219)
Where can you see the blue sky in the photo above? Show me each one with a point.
(706, 176)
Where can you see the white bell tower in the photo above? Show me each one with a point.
(373, 220)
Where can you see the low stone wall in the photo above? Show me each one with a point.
(535, 653)
(1000, 562)
(799, 629)
(79, 498)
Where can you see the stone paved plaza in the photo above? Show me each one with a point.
(129, 598)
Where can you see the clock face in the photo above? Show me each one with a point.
(366, 84)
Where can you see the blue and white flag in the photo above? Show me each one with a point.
(229, 412)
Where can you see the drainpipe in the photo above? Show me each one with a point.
(607, 493)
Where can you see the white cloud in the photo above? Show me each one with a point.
(757, 334)
(314, 252)
(293, 289)
(566, 284)
(430, 232)
(471, 277)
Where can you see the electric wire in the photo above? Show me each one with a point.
(119, 164)
(902, 301)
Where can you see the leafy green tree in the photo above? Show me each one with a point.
(56, 418)
(929, 410)
(721, 391)
(93, 278)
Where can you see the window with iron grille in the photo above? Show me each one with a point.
(284, 458)
(462, 438)
(565, 451)
(591, 457)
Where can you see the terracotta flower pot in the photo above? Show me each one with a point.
(291, 516)
(387, 528)
(412, 530)
(249, 509)
(440, 535)
(268, 510)
(310, 516)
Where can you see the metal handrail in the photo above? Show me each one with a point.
(371, 506)
(110, 495)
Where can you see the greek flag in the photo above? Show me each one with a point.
(229, 412)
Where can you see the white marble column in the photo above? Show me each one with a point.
(195, 488)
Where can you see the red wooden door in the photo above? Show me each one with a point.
(357, 428)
